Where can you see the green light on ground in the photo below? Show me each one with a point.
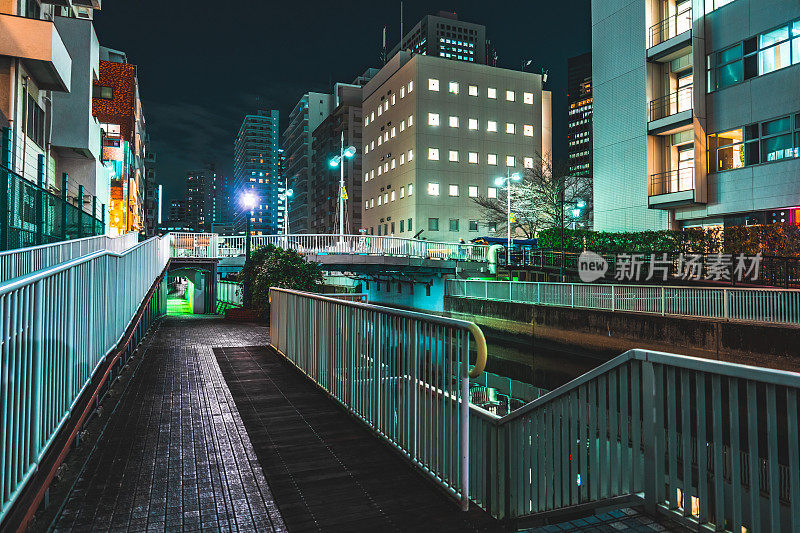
(178, 306)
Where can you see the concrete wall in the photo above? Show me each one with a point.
(408, 295)
(614, 333)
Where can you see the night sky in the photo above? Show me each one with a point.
(203, 65)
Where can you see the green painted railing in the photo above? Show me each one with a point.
(229, 294)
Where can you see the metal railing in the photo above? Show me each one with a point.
(229, 293)
(31, 215)
(772, 306)
(677, 180)
(23, 261)
(671, 26)
(56, 327)
(672, 103)
(402, 373)
(212, 245)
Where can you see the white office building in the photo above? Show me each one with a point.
(436, 135)
(696, 113)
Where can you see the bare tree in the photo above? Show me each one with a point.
(536, 202)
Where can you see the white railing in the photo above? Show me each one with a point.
(57, 325)
(212, 245)
(779, 306)
(23, 261)
(229, 293)
(402, 373)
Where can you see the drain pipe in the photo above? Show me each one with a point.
(492, 257)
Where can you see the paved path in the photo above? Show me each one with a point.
(176, 456)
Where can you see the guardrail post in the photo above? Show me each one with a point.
(5, 177)
(94, 215)
(38, 356)
(103, 216)
(725, 304)
(663, 302)
(572, 294)
(40, 199)
(464, 413)
(613, 299)
(64, 181)
(649, 437)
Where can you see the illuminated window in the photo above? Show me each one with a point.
(386, 136)
(380, 140)
(394, 131)
(433, 119)
(725, 151)
(410, 192)
(491, 159)
(528, 162)
(491, 125)
(410, 86)
(510, 96)
(453, 87)
(473, 191)
(491, 192)
(402, 192)
(403, 125)
(379, 201)
(509, 160)
(386, 167)
(473, 90)
(372, 174)
(380, 170)
(386, 106)
(380, 110)
(433, 84)
(393, 98)
(473, 124)
(402, 92)
(453, 122)
(366, 176)
(527, 98)
(410, 120)
(473, 157)
(433, 189)
(491, 92)
(433, 154)
(410, 155)
(527, 130)
(386, 198)
(366, 149)
(402, 159)
(510, 127)
(453, 190)
(366, 120)
(454, 155)
(393, 196)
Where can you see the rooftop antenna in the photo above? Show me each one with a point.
(401, 24)
(383, 48)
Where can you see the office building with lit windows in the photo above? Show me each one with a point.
(696, 113)
(443, 35)
(579, 115)
(436, 135)
(255, 168)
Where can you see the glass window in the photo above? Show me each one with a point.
(491, 92)
(410, 225)
(726, 150)
(453, 190)
(491, 125)
(433, 119)
(473, 123)
(473, 90)
(527, 98)
(453, 224)
(433, 84)
(528, 162)
(796, 42)
(433, 189)
(527, 130)
(410, 192)
(386, 198)
(402, 223)
(379, 201)
(473, 225)
(777, 147)
(774, 50)
(410, 86)
(491, 159)
(410, 120)
(454, 155)
(410, 155)
(433, 224)
(392, 196)
(510, 161)
(433, 154)
(403, 125)
(510, 96)
(491, 192)
(393, 98)
(402, 92)
(386, 105)
(510, 127)
(380, 110)
(453, 122)
(776, 126)
(473, 157)
(402, 192)
(473, 191)
(402, 159)
(453, 87)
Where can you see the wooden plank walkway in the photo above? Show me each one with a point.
(326, 470)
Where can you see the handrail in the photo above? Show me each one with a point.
(672, 103)
(675, 180)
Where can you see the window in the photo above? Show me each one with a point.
(386, 106)
(386, 136)
(402, 193)
(452, 190)
(473, 90)
(366, 176)
(473, 123)
(510, 96)
(433, 119)
(453, 87)
(725, 151)
(106, 93)
(393, 234)
(380, 110)
(402, 159)
(527, 130)
(410, 155)
(386, 167)
(366, 120)
(410, 225)
(410, 190)
(392, 196)
(453, 224)
(35, 126)
(411, 86)
(473, 225)
(372, 116)
(453, 122)
(510, 127)
(509, 160)
(402, 92)
(433, 224)
(433, 154)
(402, 126)
(394, 163)
(528, 162)
(394, 131)
(433, 84)
(527, 98)
(711, 5)
(433, 189)
(773, 50)
(380, 140)
(402, 223)
(473, 191)
(491, 92)
(386, 198)
(379, 201)
(393, 98)
(372, 203)
(473, 157)
(410, 120)
(453, 156)
(491, 192)
(491, 125)
(491, 159)
(366, 149)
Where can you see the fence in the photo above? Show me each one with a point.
(57, 325)
(213, 245)
(31, 215)
(778, 306)
(402, 373)
(229, 293)
(15, 263)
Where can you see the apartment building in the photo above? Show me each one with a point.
(696, 113)
(579, 114)
(256, 169)
(436, 135)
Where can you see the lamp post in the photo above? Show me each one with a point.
(338, 161)
(506, 181)
(248, 202)
(576, 213)
(285, 198)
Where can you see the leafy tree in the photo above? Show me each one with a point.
(536, 200)
(270, 266)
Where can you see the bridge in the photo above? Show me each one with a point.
(341, 414)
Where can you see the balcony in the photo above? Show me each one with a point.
(674, 188)
(39, 46)
(671, 112)
(670, 37)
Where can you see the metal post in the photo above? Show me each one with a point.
(103, 216)
(508, 250)
(94, 214)
(341, 188)
(80, 211)
(64, 181)
(246, 288)
(5, 179)
(649, 435)
(464, 414)
(40, 199)
(561, 224)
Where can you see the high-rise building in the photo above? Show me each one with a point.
(579, 114)
(201, 198)
(255, 168)
(696, 115)
(177, 212)
(152, 192)
(436, 135)
(443, 35)
(306, 116)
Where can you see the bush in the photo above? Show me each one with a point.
(271, 266)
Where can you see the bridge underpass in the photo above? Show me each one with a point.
(588, 444)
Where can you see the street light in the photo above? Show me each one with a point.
(248, 201)
(338, 161)
(506, 181)
(285, 199)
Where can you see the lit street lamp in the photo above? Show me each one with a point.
(506, 182)
(285, 199)
(338, 161)
(248, 201)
